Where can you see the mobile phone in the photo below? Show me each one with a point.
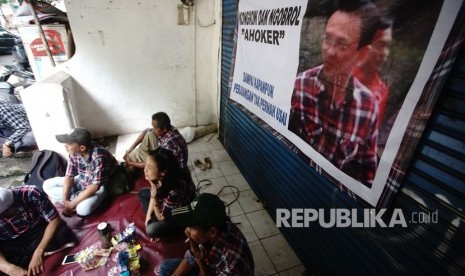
(69, 259)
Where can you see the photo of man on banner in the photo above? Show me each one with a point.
(351, 82)
(330, 108)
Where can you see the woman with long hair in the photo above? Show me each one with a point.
(168, 190)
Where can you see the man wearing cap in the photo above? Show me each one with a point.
(30, 229)
(217, 246)
(90, 166)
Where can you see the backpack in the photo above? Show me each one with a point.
(121, 181)
(45, 164)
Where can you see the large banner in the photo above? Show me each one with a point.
(351, 86)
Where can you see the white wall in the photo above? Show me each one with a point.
(132, 60)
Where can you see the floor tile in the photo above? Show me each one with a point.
(213, 186)
(197, 146)
(262, 224)
(246, 228)
(232, 205)
(280, 253)
(214, 172)
(295, 271)
(238, 181)
(220, 155)
(228, 167)
(213, 143)
(249, 201)
(263, 264)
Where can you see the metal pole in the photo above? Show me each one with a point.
(41, 33)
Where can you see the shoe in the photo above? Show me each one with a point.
(208, 163)
(199, 164)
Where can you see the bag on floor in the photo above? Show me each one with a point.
(121, 181)
(45, 164)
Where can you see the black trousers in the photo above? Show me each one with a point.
(156, 228)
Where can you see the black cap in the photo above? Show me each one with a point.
(77, 135)
(205, 210)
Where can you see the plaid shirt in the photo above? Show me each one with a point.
(174, 199)
(174, 141)
(346, 135)
(96, 169)
(13, 117)
(379, 89)
(230, 255)
(32, 208)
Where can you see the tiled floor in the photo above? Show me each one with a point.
(272, 253)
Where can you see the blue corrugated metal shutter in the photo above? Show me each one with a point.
(227, 46)
(435, 181)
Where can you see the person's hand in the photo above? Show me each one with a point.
(16, 271)
(36, 265)
(198, 251)
(69, 209)
(126, 158)
(7, 152)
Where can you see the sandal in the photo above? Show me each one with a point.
(199, 164)
(208, 162)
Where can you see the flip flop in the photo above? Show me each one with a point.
(208, 162)
(199, 164)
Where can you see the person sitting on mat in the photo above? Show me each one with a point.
(85, 185)
(167, 191)
(30, 229)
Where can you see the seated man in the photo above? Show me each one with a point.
(15, 130)
(164, 135)
(146, 141)
(170, 138)
(30, 229)
(217, 246)
(90, 166)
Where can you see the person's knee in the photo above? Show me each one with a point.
(48, 185)
(83, 211)
(152, 229)
(144, 193)
(29, 140)
(160, 228)
(167, 267)
(140, 196)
